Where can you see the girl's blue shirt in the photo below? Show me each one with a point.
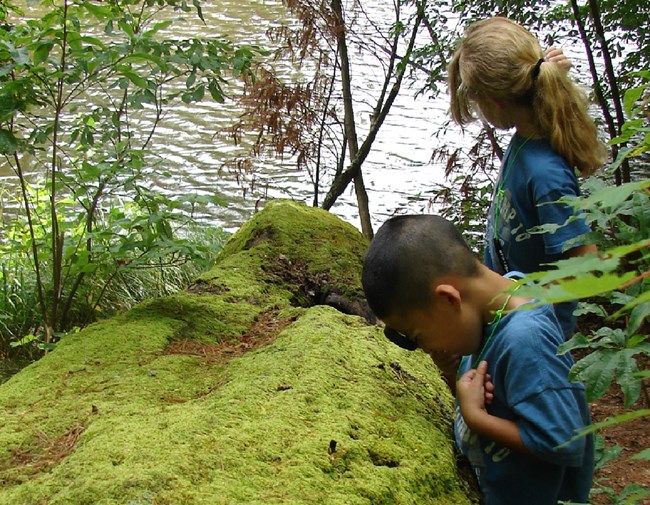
(533, 178)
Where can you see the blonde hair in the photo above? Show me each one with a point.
(500, 59)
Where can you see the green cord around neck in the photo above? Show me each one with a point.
(501, 182)
(498, 315)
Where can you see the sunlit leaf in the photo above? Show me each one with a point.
(618, 419)
(585, 286)
(630, 98)
(573, 267)
(613, 196)
(8, 142)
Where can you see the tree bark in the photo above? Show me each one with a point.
(598, 89)
(341, 182)
(611, 78)
(349, 122)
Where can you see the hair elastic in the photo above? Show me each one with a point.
(537, 67)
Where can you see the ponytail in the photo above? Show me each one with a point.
(560, 111)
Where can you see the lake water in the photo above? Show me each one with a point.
(399, 173)
(398, 169)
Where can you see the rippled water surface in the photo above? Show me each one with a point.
(194, 149)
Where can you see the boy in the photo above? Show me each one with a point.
(516, 410)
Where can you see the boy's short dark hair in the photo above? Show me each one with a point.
(407, 254)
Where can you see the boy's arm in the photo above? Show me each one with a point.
(470, 391)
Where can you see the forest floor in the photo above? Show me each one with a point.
(632, 437)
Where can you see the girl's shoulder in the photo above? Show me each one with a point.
(538, 160)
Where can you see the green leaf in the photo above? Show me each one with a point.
(639, 315)
(198, 93)
(8, 106)
(100, 12)
(597, 371)
(613, 196)
(20, 56)
(8, 143)
(636, 341)
(642, 298)
(133, 77)
(42, 52)
(199, 11)
(587, 285)
(574, 267)
(644, 454)
(23, 341)
(578, 341)
(163, 25)
(630, 385)
(126, 28)
(630, 98)
(621, 418)
(623, 154)
(143, 57)
(215, 91)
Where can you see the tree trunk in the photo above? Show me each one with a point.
(341, 182)
(598, 89)
(349, 122)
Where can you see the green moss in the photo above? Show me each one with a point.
(326, 412)
(288, 233)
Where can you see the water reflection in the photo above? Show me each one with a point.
(193, 148)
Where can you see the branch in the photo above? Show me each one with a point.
(611, 78)
(339, 184)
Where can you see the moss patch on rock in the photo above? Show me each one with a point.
(241, 390)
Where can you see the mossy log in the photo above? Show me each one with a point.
(245, 389)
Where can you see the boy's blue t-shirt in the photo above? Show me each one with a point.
(533, 177)
(532, 389)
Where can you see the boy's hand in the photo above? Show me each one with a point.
(556, 55)
(474, 391)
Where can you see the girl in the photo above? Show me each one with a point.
(501, 68)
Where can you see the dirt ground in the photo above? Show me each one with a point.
(632, 437)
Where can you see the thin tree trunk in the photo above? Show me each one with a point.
(349, 122)
(340, 183)
(600, 94)
(57, 236)
(611, 78)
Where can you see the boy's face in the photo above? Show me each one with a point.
(443, 326)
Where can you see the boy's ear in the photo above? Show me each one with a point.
(447, 293)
